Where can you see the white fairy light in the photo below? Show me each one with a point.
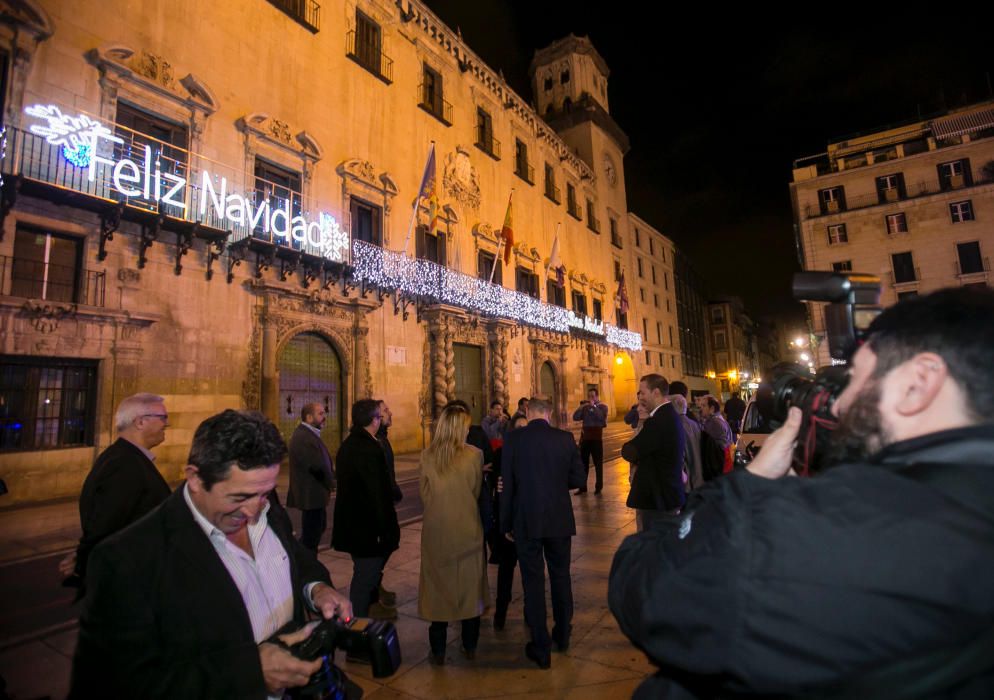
(390, 270)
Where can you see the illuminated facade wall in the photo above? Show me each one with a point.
(913, 205)
(331, 114)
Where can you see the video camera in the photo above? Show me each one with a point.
(373, 640)
(853, 304)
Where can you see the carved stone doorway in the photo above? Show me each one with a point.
(469, 379)
(547, 388)
(310, 371)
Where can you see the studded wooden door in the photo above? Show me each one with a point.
(311, 372)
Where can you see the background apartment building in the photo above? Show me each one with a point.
(913, 204)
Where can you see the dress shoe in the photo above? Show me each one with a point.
(597, 492)
(532, 652)
(388, 598)
(436, 659)
(470, 654)
(561, 640)
(500, 617)
(379, 611)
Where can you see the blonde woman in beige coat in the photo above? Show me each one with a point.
(453, 582)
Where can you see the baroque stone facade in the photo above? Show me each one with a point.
(212, 314)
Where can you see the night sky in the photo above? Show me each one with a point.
(719, 103)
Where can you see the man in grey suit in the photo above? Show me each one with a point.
(312, 476)
(539, 466)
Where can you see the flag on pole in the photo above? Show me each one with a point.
(506, 232)
(429, 191)
(556, 263)
(622, 294)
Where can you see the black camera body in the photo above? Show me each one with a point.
(373, 640)
(853, 304)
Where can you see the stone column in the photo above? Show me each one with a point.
(438, 341)
(362, 379)
(270, 386)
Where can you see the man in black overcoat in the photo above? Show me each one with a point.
(312, 475)
(657, 453)
(123, 484)
(365, 522)
(539, 466)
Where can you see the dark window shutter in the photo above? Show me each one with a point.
(967, 172)
(442, 259)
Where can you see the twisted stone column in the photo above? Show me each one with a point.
(498, 354)
(439, 384)
(450, 366)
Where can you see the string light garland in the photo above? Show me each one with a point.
(422, 278)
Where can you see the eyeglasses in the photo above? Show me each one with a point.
(164, 417)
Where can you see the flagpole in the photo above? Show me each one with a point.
(500, 244)
(556, 238)
(500, 238)
(417, 203)
(410, 229)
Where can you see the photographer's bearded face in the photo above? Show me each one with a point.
(862, 430)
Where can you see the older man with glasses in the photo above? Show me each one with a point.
(124, 483)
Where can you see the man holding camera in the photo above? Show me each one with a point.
(188, 602)
(872, 579)
(593, 416)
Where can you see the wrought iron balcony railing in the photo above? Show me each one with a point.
(552, 192)
(487, 143)
(525, 171)
(34, 279)
(436, 105)
(973, 267)
(873, 199)
(305, 12)
(370, 56)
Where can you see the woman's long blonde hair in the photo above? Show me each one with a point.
(449, 438)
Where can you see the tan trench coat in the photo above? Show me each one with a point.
(453, 583)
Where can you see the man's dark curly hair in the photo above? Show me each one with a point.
(246, 439)
(956, 324)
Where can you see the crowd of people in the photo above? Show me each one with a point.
(738, 581)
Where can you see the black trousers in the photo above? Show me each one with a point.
(595, 449)
(506, 555)
(312, 525)
(556, 553)
(438, 632)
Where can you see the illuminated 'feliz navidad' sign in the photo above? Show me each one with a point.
(81, 138)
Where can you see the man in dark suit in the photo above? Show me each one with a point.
(124, 484)
(365, 522)
(539, 466)
(312, 475)
(657, 453)
(185, 603)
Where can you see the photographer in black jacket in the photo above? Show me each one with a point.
(873, 579)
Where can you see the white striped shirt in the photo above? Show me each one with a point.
(264, 581)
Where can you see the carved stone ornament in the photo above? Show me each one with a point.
(28, 15)
(359, 169)
(45, 317)
(129, 276)
(460, 179)
(280, 133)
(154, 68)
(154, 71)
